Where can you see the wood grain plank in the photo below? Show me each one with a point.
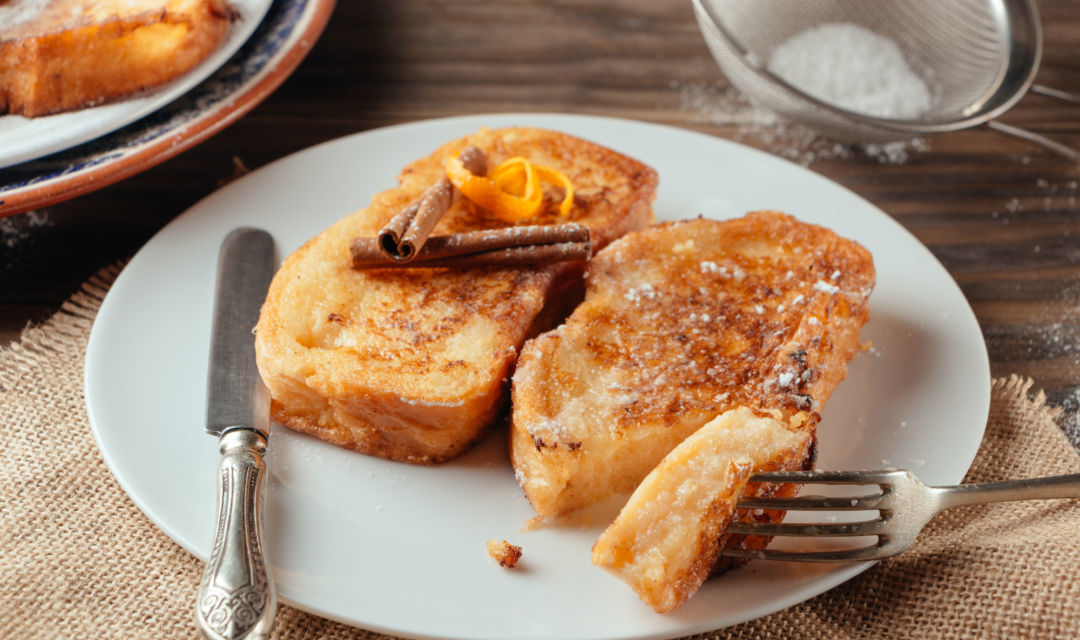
(999, 213)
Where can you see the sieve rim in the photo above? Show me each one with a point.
(886, 124)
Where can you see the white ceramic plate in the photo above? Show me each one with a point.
(399, 548)
(23, 139)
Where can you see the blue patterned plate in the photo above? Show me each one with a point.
(281, 40)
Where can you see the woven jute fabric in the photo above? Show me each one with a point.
(79, 560)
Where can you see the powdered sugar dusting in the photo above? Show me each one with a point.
(708, 266)
(720, 105)
(12, 14)
(15, 229)
(642, 292)
(825, 287)
(851, 67)
(1070, 420)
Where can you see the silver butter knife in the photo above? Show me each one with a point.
(237, 597)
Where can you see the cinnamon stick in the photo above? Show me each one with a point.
(474, 160)
(505, 247)
(403, 237)
(406, 232)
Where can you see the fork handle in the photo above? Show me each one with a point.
(1031, 489)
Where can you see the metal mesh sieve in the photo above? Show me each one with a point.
(979, 57)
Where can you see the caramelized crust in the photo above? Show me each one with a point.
(69, 54)
(411, 364)
(682, 322)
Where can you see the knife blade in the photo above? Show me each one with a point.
(237, 598)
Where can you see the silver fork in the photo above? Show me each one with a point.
(904, 504)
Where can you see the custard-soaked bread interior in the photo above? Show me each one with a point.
(667, 539)
(682, 322)
(412, 364)
(60, 55)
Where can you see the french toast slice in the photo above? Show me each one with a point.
(667, 539)
(412, 364)
(60, 55)
(682, 322)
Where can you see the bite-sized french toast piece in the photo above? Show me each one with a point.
(681, 322)
(60, 55)
(668, 536)
(412, 364)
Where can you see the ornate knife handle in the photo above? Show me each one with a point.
(237, 597)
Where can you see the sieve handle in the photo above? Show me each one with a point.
(1053, 145)
(1058, 148)
(1051, 92)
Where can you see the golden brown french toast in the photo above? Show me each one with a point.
(412, 364)
(667, 539)
(682, 322)
(60, 55)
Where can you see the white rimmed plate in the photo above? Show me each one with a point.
(400, 549)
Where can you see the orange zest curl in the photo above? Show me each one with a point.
(558, 178)
(513, 190)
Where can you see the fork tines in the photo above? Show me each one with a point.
(869, 552)
(879, 500)
(904, 505)
(879, 476)
(866, 502)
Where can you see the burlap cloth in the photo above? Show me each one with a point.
(79, 560)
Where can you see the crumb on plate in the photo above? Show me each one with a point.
(506, 554)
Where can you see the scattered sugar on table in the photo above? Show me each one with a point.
(718, 105)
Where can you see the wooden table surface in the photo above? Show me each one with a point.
(1000, 214)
